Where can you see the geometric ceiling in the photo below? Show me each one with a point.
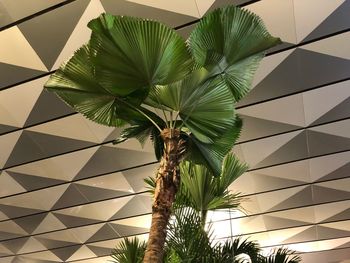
(68, 195)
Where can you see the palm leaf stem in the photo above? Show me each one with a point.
(141, 112)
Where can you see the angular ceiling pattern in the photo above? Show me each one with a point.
(68, 195)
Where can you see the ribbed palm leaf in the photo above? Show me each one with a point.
(281, 255)
(129, 251)
(132, 64)
(204, 192)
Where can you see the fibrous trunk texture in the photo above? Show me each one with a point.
(167, 184)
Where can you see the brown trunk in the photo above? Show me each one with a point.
(167, 183)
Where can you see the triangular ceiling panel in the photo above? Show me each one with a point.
(41, 257)
(256, 151)
(290, 111)
(12, 186)
(302, 198)
(70, 197)
(185, 7)
(15, 50)
(32, 182)
(173, 19)
(71, 127)
(74, 221)
(30, 223)
(47, 107)
(323, 194)
(329, 167)
(323, 143)
(109, 159)
(49, 223)
(296, 73)
(97, 193)
(254, 128)
(338, 20)
(106, 232)
(32, 245)
(48, 41)
(18, 102)
(292, 150)
(66, 252)
(138, 205)
(81, 33)
(13, 75)
(17, 211)
(306, 235)
(16, 244)
(318, 103)
(306, 21)
(7, 143)
(82, 253)
(279, 21)
(332, 46)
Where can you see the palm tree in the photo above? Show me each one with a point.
(202, 191)
(188, 242)
(181, 94)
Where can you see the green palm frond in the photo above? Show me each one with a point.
(212, 155)
(203, 192)
(133, 53)
(282, 255)
(204, 105)
(187, 237)
(129, 251)
(229, 42)
(107, 79)
(231, 251)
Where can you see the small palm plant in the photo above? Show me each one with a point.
(181, 94)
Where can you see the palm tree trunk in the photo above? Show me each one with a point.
(167, 184)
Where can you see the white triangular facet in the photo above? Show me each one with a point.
(340, 128)
(34, 245)
(268, 200)
(268, 64)
(12, 227)
(287, 110)
(84, 233)
(73, 127)
(44, 255)
(305, 214)
(19, 101)
(204, 5)
(115, 181)
(81, 33)
(336, 46)
(307, 17)
(16, 50)
(51, 195)
(60, 167)
(12, 187)
(342, 185)
(325, 211)
(7, 142)
(279, 20)
(138, 221)
(256, 151)
(82, 253)
(319, 102)
(184, 7)
(298, 171)
(321, 166)
(99, 211)
(50, 223)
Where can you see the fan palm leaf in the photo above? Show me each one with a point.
(229, 42)
(129, 251)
